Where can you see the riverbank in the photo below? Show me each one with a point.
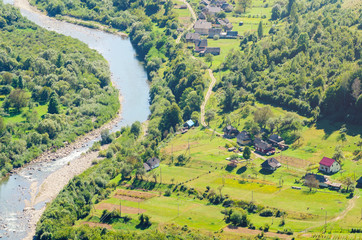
(24, 4)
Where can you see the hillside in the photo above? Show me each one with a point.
(52, 90)
(298, 78)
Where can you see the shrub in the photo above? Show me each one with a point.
(238, 218)
(266, 213)
(168, 193)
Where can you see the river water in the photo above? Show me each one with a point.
(130, 78)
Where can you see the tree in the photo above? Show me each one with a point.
(2, 126)
(245, 4)
(209, 116)
(303, 42)
(238, 218)
(356, 88)
(53, 107)
(20, 82)
(168, 7)
(50, 127)
(262, 115)
(136, 128)
(246, 152)
(105, 136)
(311, 182)
(289, 6)
(348, 182)
(170, 118)
(260, 30)
(338, 154)
(140, 172)
(18, 99)
(209, 58)
(342, 136)
(276, 12)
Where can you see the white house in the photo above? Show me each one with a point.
(329, 165)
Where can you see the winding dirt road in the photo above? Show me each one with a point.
(194, 18)
(207, 96)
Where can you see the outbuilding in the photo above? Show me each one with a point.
(271, 164)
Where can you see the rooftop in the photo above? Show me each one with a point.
(327, 161)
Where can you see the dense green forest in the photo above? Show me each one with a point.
(52, 89)
(309, 63)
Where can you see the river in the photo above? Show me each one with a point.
(129, 77)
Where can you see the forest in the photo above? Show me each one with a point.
(310, 62)
(48, 95)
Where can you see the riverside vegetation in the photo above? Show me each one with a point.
(292, 66)
(52, 89)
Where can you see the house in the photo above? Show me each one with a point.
(192, 37)
(225, 24)
(271, 164)
(200, 45)
(214, 31)
(243, 138)
(183, 6)
(329, 165)
(151, 164)
(227, 7)
(202, 27)
(202, 16)
(359, 183)
(212, 10)
(180, 30)
(189, 124)
(277, 141)
(211, 50)
(205, 2)
(232, 34)
(230, 131)
(263, 147)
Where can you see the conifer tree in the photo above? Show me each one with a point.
(53, 106)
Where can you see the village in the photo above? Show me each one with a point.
(211, 24)
(265, 148)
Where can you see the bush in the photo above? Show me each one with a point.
(238, 218)
(168, 193)
(266, 213)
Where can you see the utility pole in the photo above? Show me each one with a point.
(325, 223)
(138, 208)
(120, 207)
(160, 175)
(178, 207)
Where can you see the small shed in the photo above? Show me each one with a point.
(151, 164)
(241, 23)
(271, 164)
(189, 124)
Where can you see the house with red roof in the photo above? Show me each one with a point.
(329, 165)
